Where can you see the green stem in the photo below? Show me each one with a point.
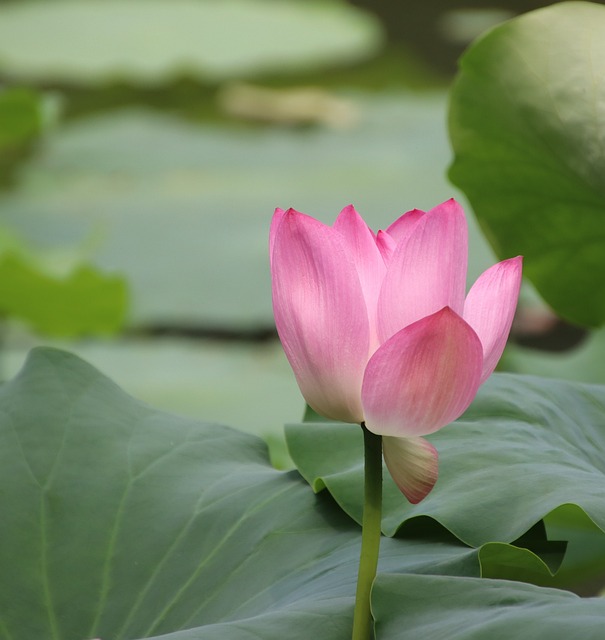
(370, 534)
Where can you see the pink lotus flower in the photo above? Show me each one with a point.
(377, 328)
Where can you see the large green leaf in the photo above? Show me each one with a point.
(525, 446)
(443, 608)
(149, 41)
(526, 123)
(188, 226)
(119, 521)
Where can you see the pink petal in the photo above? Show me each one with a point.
(490, 307)
(275, 222)
(360, 243)
(401, 229)
(413, 465)
(386, 245)
(320, 315)
(427, 271)
(423, 377)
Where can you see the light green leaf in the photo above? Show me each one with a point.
(120, 521)
(525, 447)
(78, 41)
(500, 560)
(444, 608)
(84, 302)
(21, 117)
(527, 127)
(532, 558)
(583, 567)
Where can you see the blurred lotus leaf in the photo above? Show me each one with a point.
(82, 301)
(184, 210)
(151, 41)
(21, 118)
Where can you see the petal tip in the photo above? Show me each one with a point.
(413, 465)
(448, 207)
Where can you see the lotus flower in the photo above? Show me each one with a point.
(378, 329)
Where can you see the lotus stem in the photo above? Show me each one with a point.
(370, 534)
